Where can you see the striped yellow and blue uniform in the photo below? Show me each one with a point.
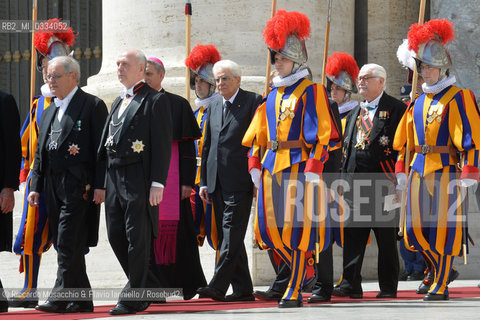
(434, 217)
(204, 218)
(291, 215)
(34, 237)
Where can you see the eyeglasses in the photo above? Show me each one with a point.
(55, 76)
(365, 78)
(222, 79)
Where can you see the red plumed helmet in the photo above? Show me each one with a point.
(341, 62)
(53, 44)
(200, 61)
(202, 54)
(286, 32)
(437, 29)
(428, 41)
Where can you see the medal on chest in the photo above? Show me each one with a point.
(73, 149)
(137, 146)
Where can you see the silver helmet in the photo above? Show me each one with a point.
(343, 80)
(294, 50)
(56, 48)
(205, 72)
(434, 54)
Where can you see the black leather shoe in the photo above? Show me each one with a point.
(239, 297)
(416, 275)
(54, 307)
(269, 295)
(121, 309)
(386, 295)
(425, 285)
(15, 302)
(317, 298)
(284, 303)
(82, 306)
(346, 292)
(211, 293)
(3, 309)
(435, 297)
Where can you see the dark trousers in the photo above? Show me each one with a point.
(67, 214)
(129, 226)
(232, 212)
(324, 272)
(355, 242)
(3, 299)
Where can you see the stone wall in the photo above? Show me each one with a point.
(465, 49)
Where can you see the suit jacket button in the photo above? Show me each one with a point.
(66, 156)
(129, 140)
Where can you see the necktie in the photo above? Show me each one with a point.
(226, 109)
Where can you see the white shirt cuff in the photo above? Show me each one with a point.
(157, 184)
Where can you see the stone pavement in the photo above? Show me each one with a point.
(105, 272)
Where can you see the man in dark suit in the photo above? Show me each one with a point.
(136, 143)
(66, 168)
(9, 172)
(225, 181)
(369, 156)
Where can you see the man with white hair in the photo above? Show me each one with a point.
(66, 168)
(369, 162)
(225, 181)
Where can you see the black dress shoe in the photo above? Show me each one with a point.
(239, 297)
(121, 309)
(54, 307)
(435, 297)
(15, 302)
(284, 303)
(3, 309)
(317, 298)
(211, 293)
(347, 292)
(425, 285)
(82, 306)
(386, 295)
(269, 295)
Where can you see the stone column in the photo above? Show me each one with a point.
(388, 24)
(158, 28)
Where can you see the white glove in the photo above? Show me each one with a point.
(21, 187)
(255, 173)
(312, 177)
(468, 182)
(401, 181)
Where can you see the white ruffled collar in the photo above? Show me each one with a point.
(291, 79)
(45, 89)
(205, 102)
(347, 106)
(439, 86)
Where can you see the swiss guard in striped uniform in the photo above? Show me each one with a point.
(200, 61)
(341, 72)
(295, 125)
(442, 132)
(34, 237)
